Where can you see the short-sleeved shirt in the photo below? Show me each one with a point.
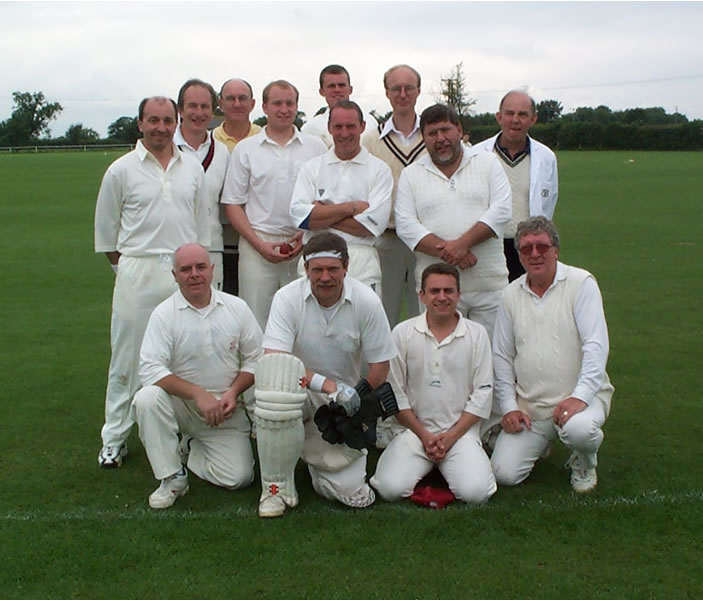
(298, 324)
(331, 180)
(207, 347)
(261, 176)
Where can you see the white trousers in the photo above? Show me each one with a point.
(404, 463)
(141, 284)
(220, 455)
(259, 279)
(218, 273)
(337, 471)
(398, 269)
(515, 454)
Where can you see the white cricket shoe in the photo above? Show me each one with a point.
(110, 457)
(272, 506)
(170, 490)
(583, 478)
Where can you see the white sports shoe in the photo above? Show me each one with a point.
(364, 498)
(583, 478)
(170, 490)
(272, 506)
(110, 457)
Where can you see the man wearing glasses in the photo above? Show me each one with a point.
(398, 143)
(550, 351)
(237, 102)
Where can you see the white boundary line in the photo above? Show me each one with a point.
(651, 498)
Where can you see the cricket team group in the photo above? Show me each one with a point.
(324, 234)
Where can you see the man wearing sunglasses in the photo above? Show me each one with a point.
(550, 350)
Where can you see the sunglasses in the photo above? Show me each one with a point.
(542, 249)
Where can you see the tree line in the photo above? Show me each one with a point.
(584, 128)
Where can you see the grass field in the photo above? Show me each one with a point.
(71, 530)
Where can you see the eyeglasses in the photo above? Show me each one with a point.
(408, 89)
(542, 249)
(232, 99)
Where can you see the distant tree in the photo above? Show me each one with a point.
(381, 118)
(453, 91)
(549, 111)
(30, 118)
(124, 130)
(76, 134)
(298, 122)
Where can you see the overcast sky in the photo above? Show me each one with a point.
(99, 59)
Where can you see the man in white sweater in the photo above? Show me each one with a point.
(452, 205)
(550, 350)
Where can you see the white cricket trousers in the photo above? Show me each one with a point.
(220, 455)
(398, 269)
(404, 463)
(142, 283)
(515, 454)
(259, 279)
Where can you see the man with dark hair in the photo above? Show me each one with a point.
(151, 201)
(327, 321)
(347, 190)
(442, 378)
(192, 382)
(335, 85)
(398, 143)
(452, 205)
(550, 351)
(531, 168)
(196, 106)
(257, 193)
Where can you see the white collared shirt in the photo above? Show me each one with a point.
(146, 210)
(261, 176)
(206, 347)
(592, 329)
(439, 381)
(330, 180)
(389, 126)
(330, 346)
(214, 178)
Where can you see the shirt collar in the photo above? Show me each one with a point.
(308, 295)
(504, 150)
(142, 152)
(389, 126)
(468, 153)
(179, 140)
(264, 138)
(422, 326)
(361, 159)
(560, 275)
(182, 303)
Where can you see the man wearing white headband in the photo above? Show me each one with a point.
(325, 321)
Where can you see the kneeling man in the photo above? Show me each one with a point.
(323, 323)
(199, 354)
(550, 349)
(442, 378)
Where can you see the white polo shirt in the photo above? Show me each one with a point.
(214, 179)
(330, 344)
(331, 180)
(441, 380)
(146, 210)
(261, 176)
(208, 347)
